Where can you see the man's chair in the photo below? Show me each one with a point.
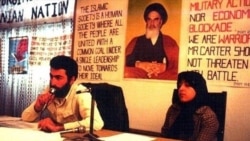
(217, 102)
(111, 105)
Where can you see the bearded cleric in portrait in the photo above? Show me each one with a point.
(152, 55)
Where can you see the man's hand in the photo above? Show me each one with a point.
(48, 125)
(42, 99)
(152, 68)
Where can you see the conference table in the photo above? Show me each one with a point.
(110, 135)
(13, 128)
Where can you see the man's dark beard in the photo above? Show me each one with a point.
(62, 92)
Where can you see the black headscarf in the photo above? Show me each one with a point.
(184, 125)
(195, 80)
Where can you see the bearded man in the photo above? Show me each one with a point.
(152, 55)
(68, 103)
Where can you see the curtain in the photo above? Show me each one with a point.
(17, 91)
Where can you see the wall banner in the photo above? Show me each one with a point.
(99, 34)
(16, 13)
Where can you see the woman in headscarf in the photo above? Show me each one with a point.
(190, 118)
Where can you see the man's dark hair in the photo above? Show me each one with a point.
(158, 8)
(66, 63)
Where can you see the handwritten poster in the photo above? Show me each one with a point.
(43, 49)
(219, 41)
(99, 34)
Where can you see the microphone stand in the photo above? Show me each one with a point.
(91, 136)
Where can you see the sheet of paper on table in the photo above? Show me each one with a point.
(16, 134)
(8, 118)
(126, 137)
(14, 129)
(16, 122)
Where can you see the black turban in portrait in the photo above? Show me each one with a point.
(158, 8)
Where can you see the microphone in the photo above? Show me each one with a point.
(52, 90)
(80, 129)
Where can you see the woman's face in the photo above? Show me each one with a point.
(186, 92)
